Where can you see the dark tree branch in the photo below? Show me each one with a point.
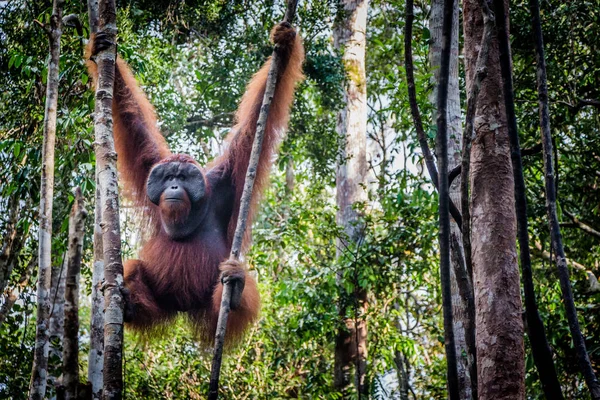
(72, 21)
(529, 151)
(414, 109)
(444, 199)
(551, 193)
(540, 348)
(453, 174)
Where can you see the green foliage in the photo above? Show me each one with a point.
(193, 59)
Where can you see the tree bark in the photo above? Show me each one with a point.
(555, 235)
(106, 158)
(499, 336)
(71, 326)
(96, 355)
(463, 321)
(39, 374)
(350, 39)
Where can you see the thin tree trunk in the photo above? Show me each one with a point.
(402, 366)
(39, 374)
(350, 38)
(96, 355)
(444, 200)
(499, 336)
(557, 246)
(111, 231)
(463, 317)
(542, 354)
(71, 326)
(57, 319)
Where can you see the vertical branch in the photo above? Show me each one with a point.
(242, 221)
(71, 327)
(561, 261)
(39, 374)
(106, 158)
(542, 354)
(96, 356)
(444, 200)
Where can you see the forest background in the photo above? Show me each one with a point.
(193, 59)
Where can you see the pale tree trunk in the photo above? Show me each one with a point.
(500, 351)
(71, 326)
(461, 318)
(39, 374)
(109, 189)
(96, 355)
(350, 39)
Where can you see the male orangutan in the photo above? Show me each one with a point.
(193, 210)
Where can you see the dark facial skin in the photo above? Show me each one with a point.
(179, 189)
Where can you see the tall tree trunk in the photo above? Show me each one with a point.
(96, 355)
(500, 351)
(463, 322)
(109, 189)
(350, 39)
(71, 327)
(39, 374)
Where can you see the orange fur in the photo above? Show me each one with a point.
(181, 275)
(175, 212)
(241, 137)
